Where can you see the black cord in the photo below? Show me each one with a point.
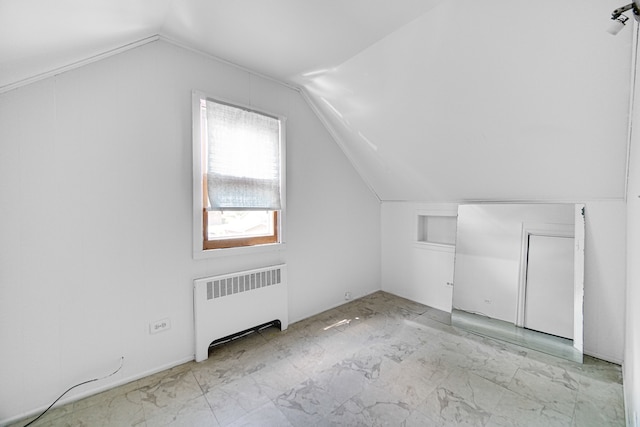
(71, 388)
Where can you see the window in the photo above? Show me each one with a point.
(238, 175)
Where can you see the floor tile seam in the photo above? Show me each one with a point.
(501, 385)
(502, 388)
(544, 403)
(215, 416)
(413, 407)
(197, 393)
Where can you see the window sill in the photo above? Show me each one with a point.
(244, 250)
(441, 247)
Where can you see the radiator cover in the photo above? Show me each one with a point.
(231, 303)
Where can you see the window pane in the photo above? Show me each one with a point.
(237, 224)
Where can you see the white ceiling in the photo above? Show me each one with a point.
(488, 100)
(432, 100)
(281, 39)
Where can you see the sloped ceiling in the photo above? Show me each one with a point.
(487, 100)
(432, 100)
(278, 38)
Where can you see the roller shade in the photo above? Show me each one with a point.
(243, 159)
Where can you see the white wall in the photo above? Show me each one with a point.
(604, 280)
(409, 271)
(95, 226)
(488, 254)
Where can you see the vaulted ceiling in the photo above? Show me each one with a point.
(282, 39)
(430, 99)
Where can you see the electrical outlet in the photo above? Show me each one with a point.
(159, 326)
(347, 296)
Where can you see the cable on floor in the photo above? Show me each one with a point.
(71, 388)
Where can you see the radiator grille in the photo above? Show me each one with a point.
(222, 287)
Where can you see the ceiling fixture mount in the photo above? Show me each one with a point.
(619, 20)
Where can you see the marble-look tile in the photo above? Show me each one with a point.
(379, 360)
(306, 404)
(278, 378)
(312, 358)
(413, 380)
(130, 390)
(372, 407)
(209, 377)
(418, 419)
(483, 360)
(168, 392)
(190, 413)
(595, 409)
(514, 410)
(229, 366)
(267, 415)
(350, 376)
(232, 401)
(119, 410)
(540, 388)
(555, 373)
(319, 325)
(463, 398)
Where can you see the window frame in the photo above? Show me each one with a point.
(203, 248)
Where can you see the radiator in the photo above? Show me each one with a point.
(227, 304)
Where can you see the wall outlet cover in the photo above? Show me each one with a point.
(159, 325)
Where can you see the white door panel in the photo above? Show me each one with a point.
(549, 290)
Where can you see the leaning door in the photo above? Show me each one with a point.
(549, 289)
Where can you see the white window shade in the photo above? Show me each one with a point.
(243, 159)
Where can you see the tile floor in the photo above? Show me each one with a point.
(377, 361)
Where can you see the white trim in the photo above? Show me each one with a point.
(77, 64)
(578, 277)
(510, 201)
(438, 247)
(575, 231)
(536, 229)
(128, 46)
(198, 252)
(632, 101)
